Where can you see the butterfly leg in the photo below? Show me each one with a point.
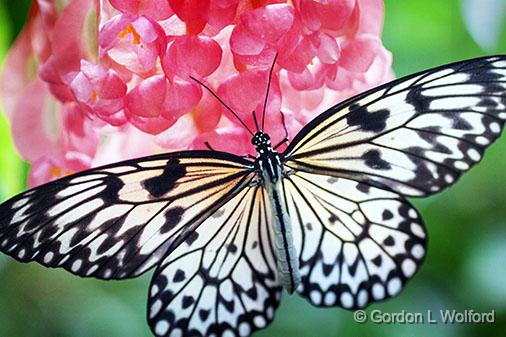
(257, 181)
(249, 156)
(209, 146)
(287, 172)
(283, 141)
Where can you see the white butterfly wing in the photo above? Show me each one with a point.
(118, 221)
(415, 135)
(357, 243)
(222, 280)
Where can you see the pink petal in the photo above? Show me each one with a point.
(378, 69)
(123, 143)
(358, 54)
(197, 56)
(71, 41)
(33, 123)
(47, 168)
(151, 125)
(16, 72)
(270, 22)
(313, 77)
(156, 10)
(263, 59)
(302, 81)
(222, 13)
(328, 49)
(180, 135)
(372, 13)
(192, 12)
(275, 124)
(99, 89)
(77, 131)
(181, 97)
(148, 97)
(304, 105)
(245, 93)
(133, 42)
(49, 73)
(299, 57)
(244, 42)
(117, 118)
(232, 139)
(207, 113)
(333, 15)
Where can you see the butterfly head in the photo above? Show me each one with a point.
(262, 142)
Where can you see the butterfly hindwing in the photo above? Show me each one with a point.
(357, 243)
(118, 221)
(221, 281)
(415, 135)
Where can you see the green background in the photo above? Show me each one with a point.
(465, 267)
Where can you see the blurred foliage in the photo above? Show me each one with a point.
(465, 267)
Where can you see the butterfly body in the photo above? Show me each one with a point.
(327, 218)
(269, 165)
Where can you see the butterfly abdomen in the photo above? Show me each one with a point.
(286, 255)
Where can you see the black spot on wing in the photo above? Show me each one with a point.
(389, 241)
(204, 314)
(417, 100)
(364, 188)
(374, 121)
(461, 124)
(487, 102)
(187, 301)
(192, 237)
(162, 184)
(179, 276)
(377, 260)
(387, 215)
(327, 269)
(232, 248)
(172, 218)
(373, 159)
(333, 218)
(114, 185)
(252, 293)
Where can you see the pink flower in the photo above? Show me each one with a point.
(97, 81)
(156, 103)
(334, 16)
(134, 42)
(98, 89)
(48, 168)
(156, 10)
(197, 56)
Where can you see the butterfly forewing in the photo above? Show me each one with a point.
(357, 243)
(118, 221)
(222, 280)
(415, 135)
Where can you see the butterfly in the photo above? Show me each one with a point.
(326, 218)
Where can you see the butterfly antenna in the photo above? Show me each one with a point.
(255, 119)
(268, 87)
(224, 104)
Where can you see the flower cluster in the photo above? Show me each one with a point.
(91, 82)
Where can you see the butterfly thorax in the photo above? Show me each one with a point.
(268, 161)
(270, 169)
